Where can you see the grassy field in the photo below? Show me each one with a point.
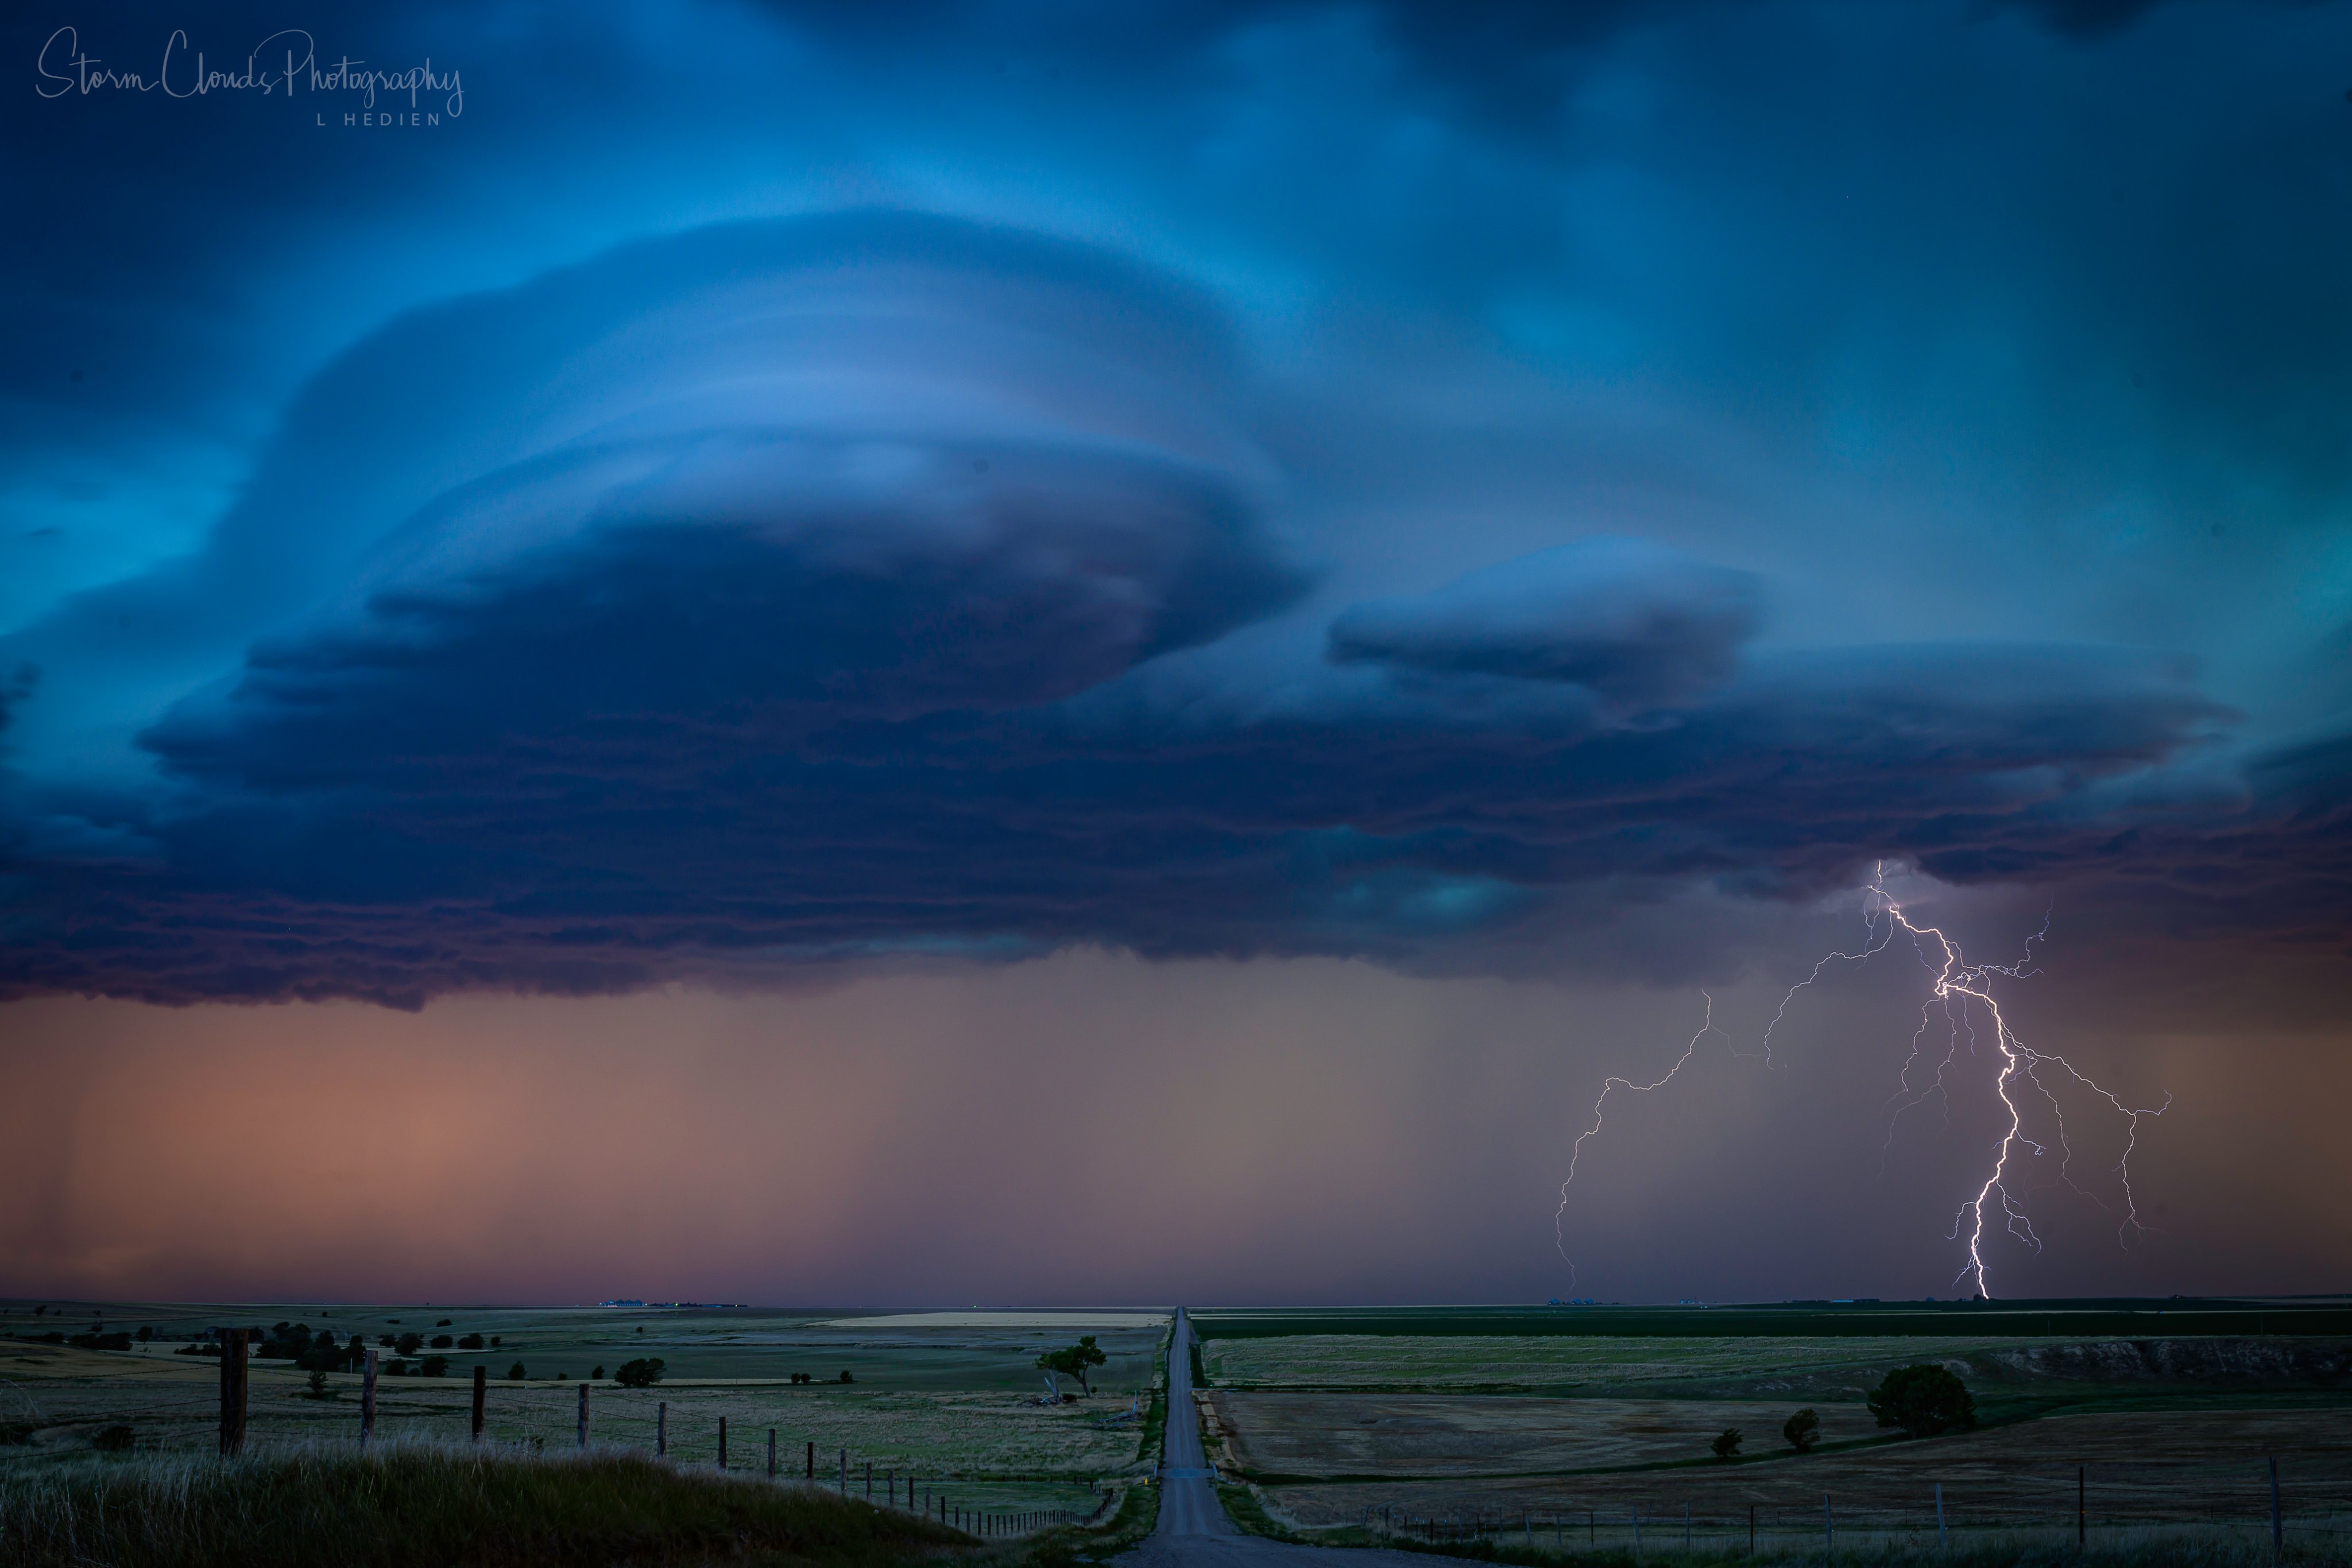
(424, 1504)
(1553, 1439)
(946, 1402)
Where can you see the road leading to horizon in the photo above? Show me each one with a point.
(1195, 1532)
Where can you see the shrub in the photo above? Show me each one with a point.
(470, 1342)
(846, 1377)
(1803, 1430)
(496, 1341)
(435, 1366)
(596, 1375)
(396, 1367)
(1726, 1445)
(641, 1372)
(146, 1333)
(410, 1342)
(442, 1342)
(515, 1374)
(442, 1324)
(1923, 1400)
(319, 1385)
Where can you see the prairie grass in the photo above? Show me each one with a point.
(412, 1505)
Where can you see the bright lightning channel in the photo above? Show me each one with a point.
(1954, 985)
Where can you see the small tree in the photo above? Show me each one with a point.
(146, 1333)
(515, 1374)
(434, 1366)
(442, 1342)
(1923, 1400)
(1074, 1360)
(1726, 1445)
(597, 1374)
(410, 1342)
(470, 1342)
(318, 1385)
(641, 1372)
(1803, 1430)
(846, 1377)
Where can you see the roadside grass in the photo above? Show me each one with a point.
(408, 1506)
(2184, 1547)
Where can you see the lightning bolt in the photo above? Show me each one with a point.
(1608, 1085)
(1963, 991)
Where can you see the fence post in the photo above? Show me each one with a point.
(1940, 1542)
(812, 1461)
(845, 1472)
(583, 1413)
(367, 1400)
(722, 1442)
(771, 1453)
(482, 1398)
(2278, 1533)
(869, 1483)
(661, 1430)
(232, 1392)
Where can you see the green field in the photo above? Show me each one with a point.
(947, 1404)
(1501, 1428)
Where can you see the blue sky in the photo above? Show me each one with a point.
(758, 496)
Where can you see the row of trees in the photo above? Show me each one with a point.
(1925, 1401)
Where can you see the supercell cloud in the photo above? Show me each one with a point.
(753, 597)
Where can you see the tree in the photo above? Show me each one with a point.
(442, 1342)
(146, 1333)
(1803, 1430)
(1727, 1445)
(641, 1372)
(470, 1342)
(318, 1385)
(1074, 1361)
(596, 1375)
(434, 1366)
(1923, 1400)
(846, 1377)
(410, 1342)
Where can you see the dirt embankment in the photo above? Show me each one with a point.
(2225, 1363)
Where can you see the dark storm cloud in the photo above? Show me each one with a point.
(779, 594)
(1632, 621)
(801, 592)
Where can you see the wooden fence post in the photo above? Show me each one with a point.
(584, 1414)
(869, 1483)
(2278, 1532)
(367, 1400)
(722, 1442)
(482, 1398)
(845, 1472)
(771, 1453)
(812, 1461)
(661, 1430)
(232, 1392)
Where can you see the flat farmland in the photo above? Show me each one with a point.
(2139, 1468)
(947, 1398)
(1436, 1435)
(1470, 1363)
